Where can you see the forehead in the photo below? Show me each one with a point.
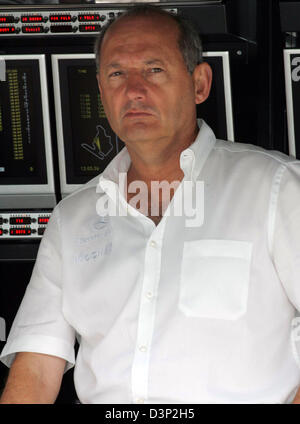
(156, 33)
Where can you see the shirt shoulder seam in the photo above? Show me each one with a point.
(86, 186)
(261, 152)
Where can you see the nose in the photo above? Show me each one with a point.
(136, 87)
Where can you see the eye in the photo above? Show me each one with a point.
(156, 70)
(115, 74)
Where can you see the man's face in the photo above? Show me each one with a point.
(145, 87)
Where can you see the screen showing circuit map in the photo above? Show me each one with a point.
(89, 142)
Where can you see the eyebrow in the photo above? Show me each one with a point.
(154, 62)
(115, 65)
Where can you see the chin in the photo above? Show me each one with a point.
(138, 132)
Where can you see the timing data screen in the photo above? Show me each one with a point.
(89, 142)
(22, 149)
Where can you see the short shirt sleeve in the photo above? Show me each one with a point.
(286, 238)
(40, 325)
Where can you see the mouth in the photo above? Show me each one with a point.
(136, 114)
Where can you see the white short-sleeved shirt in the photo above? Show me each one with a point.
(175, 313)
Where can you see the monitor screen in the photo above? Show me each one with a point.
(86, 143)
(22, 123)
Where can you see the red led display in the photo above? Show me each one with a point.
(20, 231)
(36, 28)
(32, 18)
(86, 18)
(1, 232)
(60, 18)
(20, 220)
(43, 220)
(7, 30)
(89, 28)
(7, 19)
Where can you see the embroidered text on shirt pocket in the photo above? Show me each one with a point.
(214, 278)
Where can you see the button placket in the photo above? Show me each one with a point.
(146, 318)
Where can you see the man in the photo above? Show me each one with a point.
(167, 307)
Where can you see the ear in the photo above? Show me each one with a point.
(202, 77)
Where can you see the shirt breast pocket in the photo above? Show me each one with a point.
(215, 278)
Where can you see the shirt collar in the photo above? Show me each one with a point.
(192, 159)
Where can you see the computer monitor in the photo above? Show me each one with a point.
(292, 89)
(86, 143)
(26, 171)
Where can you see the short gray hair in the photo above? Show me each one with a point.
(189, 42)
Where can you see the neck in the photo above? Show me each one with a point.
(143, 171)
(152, 168)
(157, 160)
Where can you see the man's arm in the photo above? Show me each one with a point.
(33, 378)
(297, 397)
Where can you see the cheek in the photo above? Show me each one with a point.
(109, 105)
(181, 101)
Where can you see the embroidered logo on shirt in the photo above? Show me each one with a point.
(101, 223)
(94, 255)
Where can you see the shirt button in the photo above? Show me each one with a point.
(149, 295)
(152, 243)
(143, 348)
